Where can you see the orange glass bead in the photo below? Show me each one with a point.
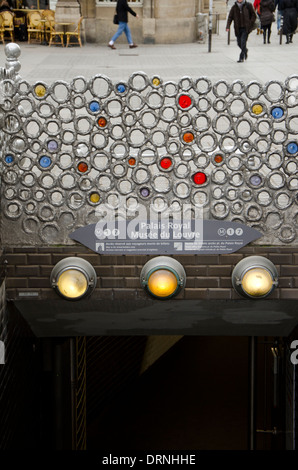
(82, 167)
(102, 122)
(188, 137)
(132, 161)
(218, 159)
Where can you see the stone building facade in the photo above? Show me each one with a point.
(160, 21)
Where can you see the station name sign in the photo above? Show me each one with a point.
(165, 236)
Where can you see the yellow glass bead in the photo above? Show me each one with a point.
(156, 81)
(40, 90)
(94, 198)
(257, 109)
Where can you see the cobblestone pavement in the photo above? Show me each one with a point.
(171, 62)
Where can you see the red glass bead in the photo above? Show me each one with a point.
(199, 178)
(166, 163)
(184, 101)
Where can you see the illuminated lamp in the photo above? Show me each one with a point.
(163, 277)
(255, 277)
(73, 278)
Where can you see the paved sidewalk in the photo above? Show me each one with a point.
(171, 62)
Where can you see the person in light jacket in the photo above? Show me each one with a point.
(122, 10)
(244, 17)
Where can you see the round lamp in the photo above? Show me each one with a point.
(73, 278)
(163, 277)
(255, 277)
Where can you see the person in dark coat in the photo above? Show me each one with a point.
(244, 17)
(290, 12)
(122, 10)
(267, 17)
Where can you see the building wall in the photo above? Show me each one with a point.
(155, 25)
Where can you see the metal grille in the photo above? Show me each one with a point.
(73, 151)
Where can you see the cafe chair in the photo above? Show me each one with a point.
(54, 33)
(75, 34)
(34, 26)
(2, 29)
(49, 17)
(8, 23)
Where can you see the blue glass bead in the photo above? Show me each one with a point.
(94, 106)
(121, 88)
(292, 148)
(9, 159)
(45, 161)
(277, 113)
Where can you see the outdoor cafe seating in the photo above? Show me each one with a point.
(38, 26)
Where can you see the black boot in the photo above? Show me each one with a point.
(269, 34)
(288, 39)
(291, 38)
(264, 37)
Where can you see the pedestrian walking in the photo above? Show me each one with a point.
(122, 10)
(244, 17)
(290, 12)
(267, 17)
(279, 14)
(256, 6)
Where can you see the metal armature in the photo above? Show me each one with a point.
(70, 149)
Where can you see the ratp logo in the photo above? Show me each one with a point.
(2, 353)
